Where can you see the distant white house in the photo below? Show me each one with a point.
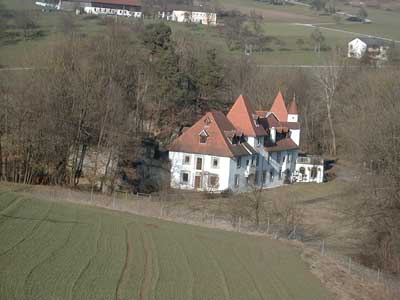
(239, 151)
(309, 169)
(197, 15)
(123, 8)
(373, 47)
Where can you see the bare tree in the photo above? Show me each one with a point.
(328, 78)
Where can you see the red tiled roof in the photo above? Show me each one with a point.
(279, 108)
(242, 116)
(216, 125)
(281, 145)
(292, 110)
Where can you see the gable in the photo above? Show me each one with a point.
(212, 126)
(244, 118)
(279, 108)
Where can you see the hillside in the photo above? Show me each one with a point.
(63, 251)
(286, 29)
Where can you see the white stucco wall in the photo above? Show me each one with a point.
(228, 170)
(178, 166)
(293, 118)
(295, 136)
(194, 17)
(111, 11)
(356, 48)
(307, 172)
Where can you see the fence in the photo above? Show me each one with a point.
(163, 207)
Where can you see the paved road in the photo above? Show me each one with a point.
(16, 69)
(346, 31)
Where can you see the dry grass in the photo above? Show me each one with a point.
(343, 284)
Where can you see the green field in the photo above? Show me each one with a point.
(279, 22)
(53, 250)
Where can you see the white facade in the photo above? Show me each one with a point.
(92, 10)
(309, 169)
(216, 174)
(185, 16)
(356, 48)
(295, 136)
(195, 171)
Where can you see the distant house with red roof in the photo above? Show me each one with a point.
(243, 149)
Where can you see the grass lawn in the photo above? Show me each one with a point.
(63, 251)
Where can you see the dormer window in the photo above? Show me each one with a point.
(207, 121)
(203, 137)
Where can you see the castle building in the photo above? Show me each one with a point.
(238, 152)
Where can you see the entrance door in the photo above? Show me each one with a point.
(197, 182)
(199, 163)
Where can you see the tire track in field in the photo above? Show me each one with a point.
(11, 203)
(52, 255)
(150, 274)
(126, 264)
(219, 268)
(277, 283)
(187, 263)
(90, 261)
(15, 203)
(248, 272)
(31, 232)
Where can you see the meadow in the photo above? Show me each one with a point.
(279, 22)
(54, 250)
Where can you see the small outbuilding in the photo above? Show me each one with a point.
(375, 48)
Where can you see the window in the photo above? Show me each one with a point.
(203, 139)
(302, 171)
(185, 177)
(237, 177)
(213, 181)
(247, 162)
(214, 162)
(257, 160)
(269, 157)
(186, 160)
(271, 175)
(284, 158)
(256, 176)
(259, 141)
(314, 171)
(280, 174)
(239, 162)
(290, 157)
(199, 163)
(278, 157)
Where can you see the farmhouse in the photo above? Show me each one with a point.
(127, 8)
(239, 151)
(374, 48)
(187, 14)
